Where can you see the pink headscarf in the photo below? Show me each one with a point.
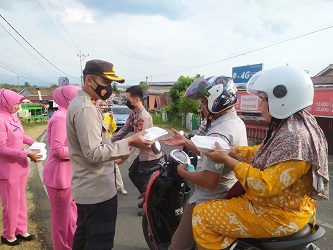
(9, 99)
(298, 137)
(64, 95)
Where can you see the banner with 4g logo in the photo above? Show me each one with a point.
(242, 74)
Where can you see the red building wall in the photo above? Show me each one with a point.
(249, 109)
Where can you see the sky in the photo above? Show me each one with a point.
(160, 40)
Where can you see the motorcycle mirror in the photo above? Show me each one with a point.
(156, 147)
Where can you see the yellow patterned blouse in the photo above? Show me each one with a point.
(276, 203)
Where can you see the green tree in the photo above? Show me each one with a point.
(177, 93)
(115, 88)
(144, 86)
(187, 105)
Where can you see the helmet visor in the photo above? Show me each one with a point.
(251, 86)
(198, 89)
(215, 80)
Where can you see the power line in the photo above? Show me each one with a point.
(244, 53)
(11, 70)
(33, 56)
(63, 25)
(82, 56)
(13, 52)
(20, 71)
(71, 23)
(34, 48)
(74, 49)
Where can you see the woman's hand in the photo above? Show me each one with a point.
(111, 114)
(233, 152)
(177, 139)
(219, 155)
(181, 168)
(34, 156)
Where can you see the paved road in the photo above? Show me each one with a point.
(129, 234)
(129, 231)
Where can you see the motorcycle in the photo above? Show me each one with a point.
(165, 201)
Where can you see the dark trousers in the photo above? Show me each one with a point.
(137, 173)
(183, 237)
(96, 224)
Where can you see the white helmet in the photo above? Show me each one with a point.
(222, 97)
(287, 88)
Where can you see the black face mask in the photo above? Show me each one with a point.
(104, 92)
(129, 104)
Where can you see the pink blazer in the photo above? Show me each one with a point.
(57, 171)
(13, 157)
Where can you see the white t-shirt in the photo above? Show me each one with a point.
(233, 128)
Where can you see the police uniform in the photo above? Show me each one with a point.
(139, 121)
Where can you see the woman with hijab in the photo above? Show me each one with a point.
(14, 169)
(57, 173)
(281, 178)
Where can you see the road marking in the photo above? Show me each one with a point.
(40, 165)
(324, 224)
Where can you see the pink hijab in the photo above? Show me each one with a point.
(64, 95)
(9, 99)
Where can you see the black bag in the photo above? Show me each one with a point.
(235, 191)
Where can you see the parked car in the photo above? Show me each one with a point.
(120, 114)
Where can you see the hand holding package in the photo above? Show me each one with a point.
(39, 146)
(154, 133)
(207, 143)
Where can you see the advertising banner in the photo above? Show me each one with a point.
(63, 81)
(247, 102)
(322, 103)
(242, 74)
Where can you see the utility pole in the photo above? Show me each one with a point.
(82, 56)
(18, 83)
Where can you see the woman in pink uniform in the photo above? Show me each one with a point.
(57, 173)
(13, 170)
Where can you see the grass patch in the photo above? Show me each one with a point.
(168, 125)
(34, 130)
(33, 124)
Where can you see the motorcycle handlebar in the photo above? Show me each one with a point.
(153, 169)
(157, 167)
